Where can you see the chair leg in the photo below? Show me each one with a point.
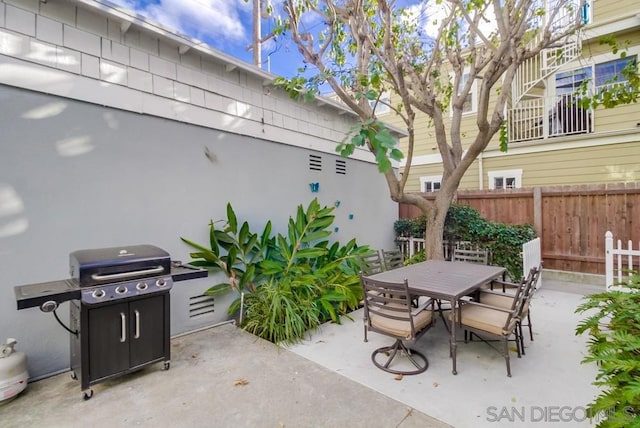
(529, 324)
(365, 333)
(506, 355)
(398, 349)
(521, 337)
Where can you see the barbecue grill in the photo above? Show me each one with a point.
(119, 309)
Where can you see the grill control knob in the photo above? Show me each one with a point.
(161, 282)
(98, 294)
(121, 289)
(142, 286)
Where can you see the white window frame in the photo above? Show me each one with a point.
(505, 174)
(430, 179)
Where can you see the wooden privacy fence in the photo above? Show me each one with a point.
(570, 220)
(617, 272)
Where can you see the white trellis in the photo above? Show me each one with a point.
(616, 270)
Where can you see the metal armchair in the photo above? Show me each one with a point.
(496, 322)
(388, 311)
(503, 299)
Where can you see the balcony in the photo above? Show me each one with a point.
(548, 117)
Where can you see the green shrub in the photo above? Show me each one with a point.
(291, 283)
(464, 223)
(613, 324)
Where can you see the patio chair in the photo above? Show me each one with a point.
(471, 255)
(495, 322)
(371, 263)
(388, 311)
(503, 299)
(392, 259)
(463, 252)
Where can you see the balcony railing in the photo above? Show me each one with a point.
(547, 117)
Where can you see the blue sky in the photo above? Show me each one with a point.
(222, 24)
(225, 25)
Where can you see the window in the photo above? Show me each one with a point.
(507, 179)
(610, 72)
(430, 183)
(569, 81)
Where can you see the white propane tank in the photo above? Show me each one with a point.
(13, 371)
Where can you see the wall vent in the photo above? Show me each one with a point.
(341, 166)
(315, 162)
(201, 305)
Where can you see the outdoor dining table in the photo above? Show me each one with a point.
(443, 280)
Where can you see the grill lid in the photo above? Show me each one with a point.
(105, 265)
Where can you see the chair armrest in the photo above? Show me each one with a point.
(506, 283)
(422, 307)
(496, 293)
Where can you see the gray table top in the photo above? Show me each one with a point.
(441, 279)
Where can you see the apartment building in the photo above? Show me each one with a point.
(552, 139)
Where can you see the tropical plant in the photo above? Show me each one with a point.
(613, 325)
(291, 283)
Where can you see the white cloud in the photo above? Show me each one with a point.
(217, 22)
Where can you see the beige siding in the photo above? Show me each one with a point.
(620, 118)
(606, 10)
(590, 165)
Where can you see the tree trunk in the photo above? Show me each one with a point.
(435, 224)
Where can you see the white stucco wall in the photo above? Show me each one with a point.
(104, 136)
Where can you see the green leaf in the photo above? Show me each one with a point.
(315, 236)
(309, 253)
(396, 154)
(223, 287)
(244, 233)
(231, 219)
(371, 95)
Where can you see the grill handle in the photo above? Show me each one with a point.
(99, 277)
(123, 328)
(137, 333)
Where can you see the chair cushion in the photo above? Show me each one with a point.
(504, 300)
(400, 328)
(486, 319)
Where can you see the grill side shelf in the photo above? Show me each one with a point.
(182, 272)
(34, 295)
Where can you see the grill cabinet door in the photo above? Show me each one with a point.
(108, 340)
(146, 322)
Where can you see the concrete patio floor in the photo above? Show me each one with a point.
(224, 377)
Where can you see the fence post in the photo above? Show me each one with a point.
(608, 259)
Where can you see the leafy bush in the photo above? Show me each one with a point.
(291, 283)
(613, 325)
(411, 226)
(464, 223)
